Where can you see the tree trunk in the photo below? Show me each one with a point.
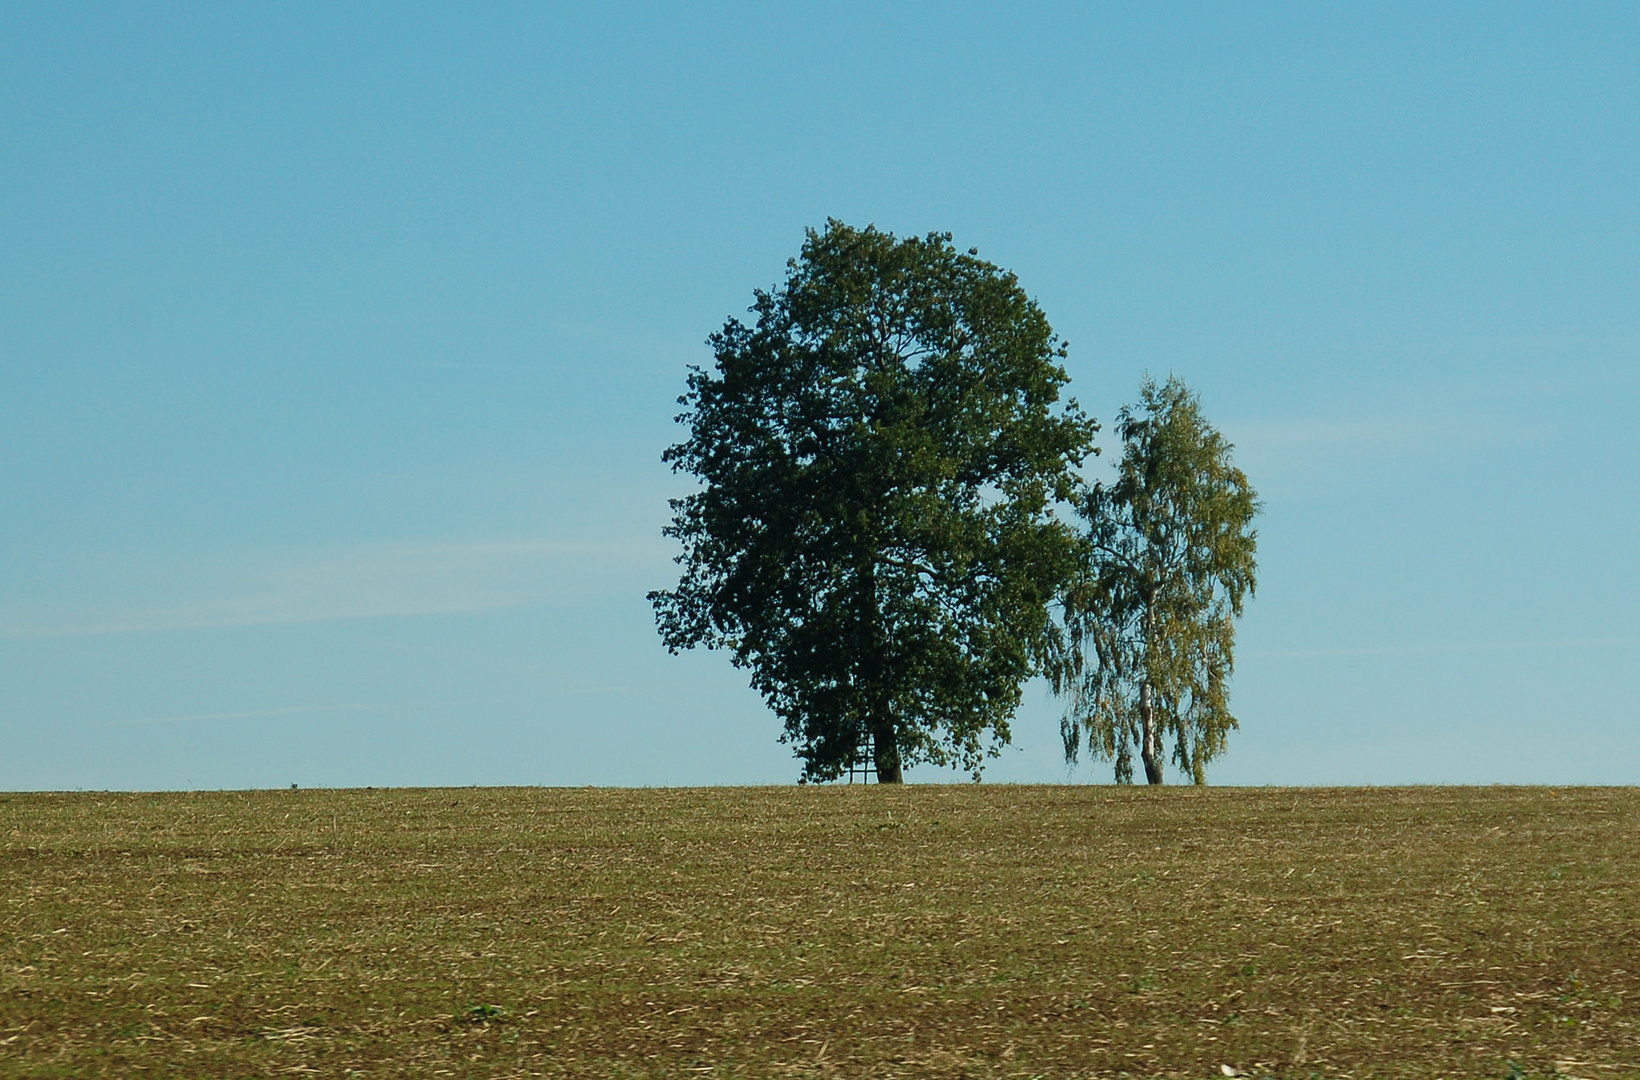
(885, 743)
(1150, 740)
(885, 746)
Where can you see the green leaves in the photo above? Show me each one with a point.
(1169, 562)
(874, 541)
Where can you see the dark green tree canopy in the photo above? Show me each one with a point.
(880, 453)
(1150, 618)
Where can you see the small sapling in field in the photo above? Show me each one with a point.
(482, 1014)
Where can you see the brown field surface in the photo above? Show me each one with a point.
(983, 931)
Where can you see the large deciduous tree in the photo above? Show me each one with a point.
(1169, 561)
(880, 454)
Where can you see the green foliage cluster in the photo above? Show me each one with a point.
(1150, 621)
(882, 535)
(874, 540)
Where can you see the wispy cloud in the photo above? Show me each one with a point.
(453, 366)
(269, 587)
(1307, 454)
(1444, 648)
(1314, 433)
(250, 714)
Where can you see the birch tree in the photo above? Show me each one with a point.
(1150, 619)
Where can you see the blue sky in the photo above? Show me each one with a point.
(338, 349)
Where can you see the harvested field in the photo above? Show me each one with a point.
(982, 931)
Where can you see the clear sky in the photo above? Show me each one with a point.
(338, 349)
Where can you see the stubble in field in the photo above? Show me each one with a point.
(984, 931)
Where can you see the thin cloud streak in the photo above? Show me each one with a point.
(228, 618)
(251, 714)
(1434, 650)
(268, 588)
(1314, 433)
(473, 367)
(1304, 455)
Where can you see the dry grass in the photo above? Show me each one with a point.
(978, 931)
